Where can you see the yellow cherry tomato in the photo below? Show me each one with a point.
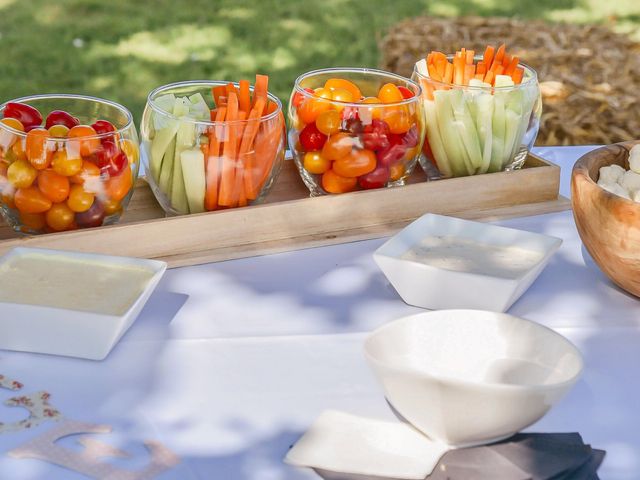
(315, 163)
(130, 149)
(335, 83)
(311, 108)
(389, 93)
(21, 174)
(367, 114)
(396, 172)
(329, 122)
(342, 95)
(89, 171)
(111, 206)
(398, 119)
(64, 165)
(58, 131)
(79, 199)
(59, 217)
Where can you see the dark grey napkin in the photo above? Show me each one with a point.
(526, 456)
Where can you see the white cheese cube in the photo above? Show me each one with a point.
(616, 189)
(630, 181)
(611, 174)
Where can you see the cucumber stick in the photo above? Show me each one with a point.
(435, 139)
(165, 181)
(192, 162)
(446, 121)
(185, 138)
(466, 129)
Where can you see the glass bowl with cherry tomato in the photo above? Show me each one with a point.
(66, 162)
(355, 129)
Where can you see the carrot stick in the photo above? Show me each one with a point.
(218, 92)
(489, 77)
(489, 53)
(499, 55)
(271, 107)
(517, 75)
(246, 154)
(231, 88)
(438, 57)
(470, 55)
(506, 60)
(212, 114)
(433, 72)
(266, 147)
(458, 70)
(448, 73)
(226, 195)
(479, 76)
(239, 189)
(260, 89)
(213, 169)
(469, 72)
(245, 96)
(509, 69)
(481, 67)
(440, 66)
(499, 70)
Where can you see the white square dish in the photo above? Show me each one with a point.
(469, 282)
(62, 314)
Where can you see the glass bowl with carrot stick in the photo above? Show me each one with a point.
(482, 111)
(212, 145)
(355, 129)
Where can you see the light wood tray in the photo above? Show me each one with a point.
(290, 220)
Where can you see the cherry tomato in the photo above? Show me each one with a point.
(389, 93)
(111, 207)
(90, 172)
(59, 217)
(16, 152)
(329, 122)
(8, 200)
(53, 185)
(391, 155)
(82, 146)
(7, 138)
(21, 174)
(33, 221)
(396, 172)
(31, 200)
(60, 117)
(338, 146)
(376, 179)
(79, 199)
(110, 159)
(375, 135)
(92, 217)
(62, 164)
(117, 188)
(37, 151)
(309, 110)
(334, 183)
(367, 114)
(131, 150)
(323, 93)
(405, 92)
(299, 97)
(13, 123)
(102, 126)
(315, 163)
(58, 131)
(357, 163)
(410, 139)
(340, 83)
(311, 138)
(28, 116)
(398, 118)
(342, 95)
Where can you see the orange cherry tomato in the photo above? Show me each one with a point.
(341, 83)
(111, 206)
(311, 108)
(59, 217)
(62, 164)
(334, 183)
(31, 200)
(82, 146)
(323, 93)
(8, 138)
(389, 93)
(89, 171)
(79, 199)
(130, 149)
(37, 152)
(53, 185)
(58, 131)
(13, 123)
(398, 119)
(337, 146)
(34, 221)
(117, 188)
(396, 172)
(17, 152)
(315, 163)
(21, 174)
(358, 162)
(342, 95)
(329, 122)
(7, 199)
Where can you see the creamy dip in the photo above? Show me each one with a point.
(467, 255)
(71, 283)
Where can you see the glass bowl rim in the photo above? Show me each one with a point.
(209, 83)
(72, 96)
(531, 80)
(360, 70)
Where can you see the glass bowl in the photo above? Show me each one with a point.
(476, 129)
(60, 179)
(345, 138)
(192, 166)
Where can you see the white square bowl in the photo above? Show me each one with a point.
(437, 288)
(68, 332)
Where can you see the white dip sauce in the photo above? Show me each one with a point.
(73, 284)
(466, 255)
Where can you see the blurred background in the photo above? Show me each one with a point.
(121, 49)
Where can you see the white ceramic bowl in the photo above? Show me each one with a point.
(76, 332)
(436, 287)
(468, 377)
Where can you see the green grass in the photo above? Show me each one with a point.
(121, 49)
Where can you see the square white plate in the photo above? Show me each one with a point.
(437, 288)
(69, 332)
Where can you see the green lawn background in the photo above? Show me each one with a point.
(120, 49)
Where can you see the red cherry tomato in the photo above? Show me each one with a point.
(357, 163)
(29, 117)
(410, 139)
(391, 155)
(60, 117)
(102, 126)
(92, 217)
(311, 138)
(406, 93)
(299, 97)
(376, 179)
(110, 159)
(375, 135)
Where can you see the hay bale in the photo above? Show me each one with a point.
(590, 75)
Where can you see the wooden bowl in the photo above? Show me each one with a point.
(609, 225)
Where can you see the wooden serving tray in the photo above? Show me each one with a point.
(290, 220)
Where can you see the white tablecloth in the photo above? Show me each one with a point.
(230, 362)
